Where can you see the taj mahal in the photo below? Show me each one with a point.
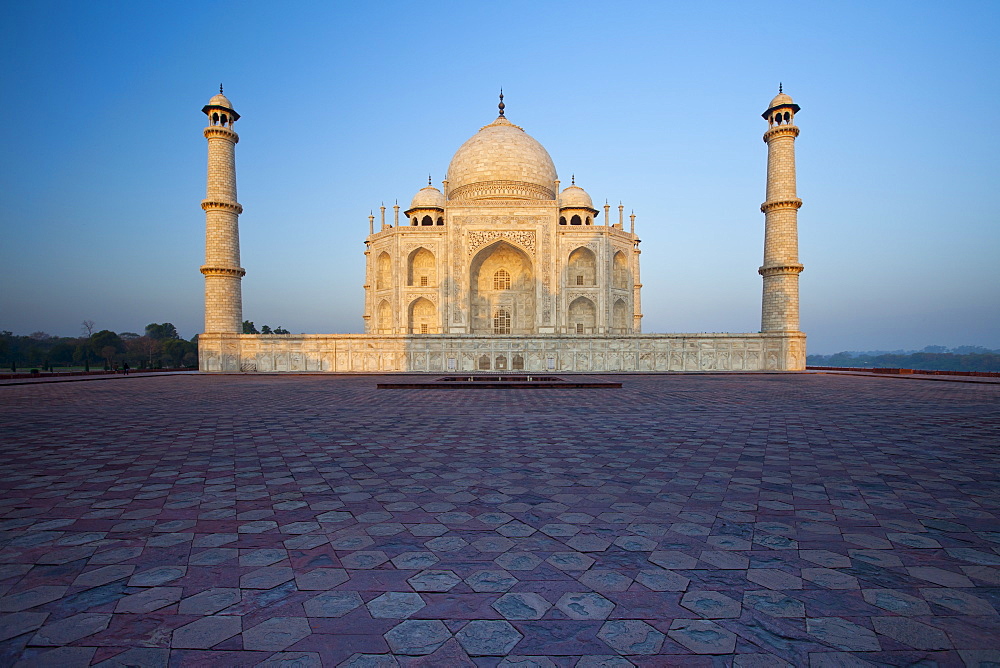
(502, 269)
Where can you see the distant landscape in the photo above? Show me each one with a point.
(931, 358)
(159, 346)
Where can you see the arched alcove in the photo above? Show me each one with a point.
(423, 317)
(421, 270)
(384, 319)
(383, 271)
(502, 276)
(620, 271)
(582, 267)
(582, 316)
(619, 317)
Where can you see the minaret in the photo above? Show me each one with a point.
(223, 274)
(781, 268)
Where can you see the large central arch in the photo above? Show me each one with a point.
(501, 277)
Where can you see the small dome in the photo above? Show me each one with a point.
(220, 100)
(575, 197)
(428, 197)
(501, 161)
(780, 99)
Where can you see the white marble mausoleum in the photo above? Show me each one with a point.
(501, 269)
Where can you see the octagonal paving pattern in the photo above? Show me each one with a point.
(744, 520)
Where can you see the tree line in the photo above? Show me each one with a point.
(160, 346)
(248, 328)
(931, 358)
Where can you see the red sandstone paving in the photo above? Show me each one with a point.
(803, 519)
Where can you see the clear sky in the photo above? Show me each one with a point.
(656, 104)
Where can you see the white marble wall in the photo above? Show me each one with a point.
(349, 353)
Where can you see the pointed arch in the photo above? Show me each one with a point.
(582, 267)
(582, 316)
(384, 317)
(421, 268)
(619, 317)
(422, 317)
(383, 271)
(620, 271)
(501, 275)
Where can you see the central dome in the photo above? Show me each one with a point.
(501, 161)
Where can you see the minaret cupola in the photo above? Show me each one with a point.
(220, 111)
(427, 207)
(782, 109)
(575, 206)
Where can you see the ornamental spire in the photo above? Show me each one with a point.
(220, 89)
(501, 105)
(780, 91)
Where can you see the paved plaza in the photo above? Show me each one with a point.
(744, 520)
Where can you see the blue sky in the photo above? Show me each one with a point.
(346, 105)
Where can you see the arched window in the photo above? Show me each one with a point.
(427, 221)
(787, 116)
(215, 118)
(501, 363)
(440, 221)
(517, 363)
(501, 321)
(414, 223)
(224, 119)
(484, 363)
(562, 220)
(575, 220)
(501, 280)
(588, 220)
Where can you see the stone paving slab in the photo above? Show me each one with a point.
(758, 520)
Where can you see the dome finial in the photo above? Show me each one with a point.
(501, 105)
(428, 179)
(220, 89)
(780, 91)
(572, 181)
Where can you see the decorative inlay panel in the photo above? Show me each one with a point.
(476, 239)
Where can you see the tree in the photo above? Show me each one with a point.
(176, 350)
(279, 330)
(145, 347)
(161, 331)
(248, 327)
(264, 329)
(125, 336)
(88, 328)
(106, 338)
